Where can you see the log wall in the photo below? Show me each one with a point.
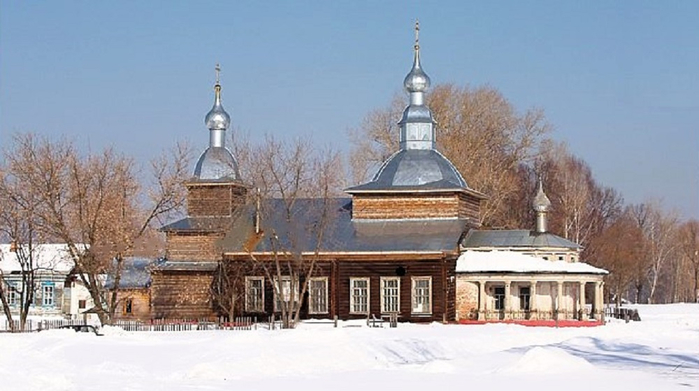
(182, 295)
(193, 246)
(415, 206)
(214, 199)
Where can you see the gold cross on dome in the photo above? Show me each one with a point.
(417, 34)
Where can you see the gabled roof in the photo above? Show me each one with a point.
(514, 262)
(341, 233)
(515, 238)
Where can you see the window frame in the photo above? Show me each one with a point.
(293, 293)
(13, 295)
(248, 295)
(384, 296)
(48, 300)
(128, 306)
(414, 295)
(499, 298)
(353, 297)
(312, 297)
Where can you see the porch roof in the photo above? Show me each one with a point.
(514, 262)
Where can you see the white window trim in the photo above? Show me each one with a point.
(382, 288)
(247, 294)
(310, 298)
(293, 285)
(48, 286)
(12, 295)
(414, 295)
(368, 295)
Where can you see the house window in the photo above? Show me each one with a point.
(318, 295)
(390, 295)
(128, 306)
(499, 298)
(524, 294)
(283, 293)
(82, 304)
(12, 295)
(254, 294)
(359, 295)
(47, 294)
(422, 295)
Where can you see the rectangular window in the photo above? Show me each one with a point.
(499, 298)
(524, 294)
(359, 295)
(47, 294)
(12, 295)
(422, 295)
(82, 304)
(286, 293)
(254, 294)
(318, 295)
(390, 295)
(128, 306)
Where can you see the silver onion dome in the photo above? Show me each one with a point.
(217, 118)
(541, 202)
(217, 163)
(416, 80)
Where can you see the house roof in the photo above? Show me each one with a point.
(185, 266)
(515, 262)
(50, 257)
(198, 224)
(135, 273)
(340, 233)
(516, 238)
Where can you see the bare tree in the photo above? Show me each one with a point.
(92, 204)
(659, 229)
(478, 130)
(619, 249)
(689, 245)
(297, 183)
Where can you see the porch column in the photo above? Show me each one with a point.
(481, 300)
(581, 301)
(598, 300)
(508, 300)
(532, 300)
(559, 299)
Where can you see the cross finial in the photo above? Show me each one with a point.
(417, 34)
(218, 71)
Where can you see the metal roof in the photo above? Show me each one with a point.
(415, 169)
(340, 233)
(186, 266)
(135, 273)
(198, 224)
(216, 164)
(516, 238)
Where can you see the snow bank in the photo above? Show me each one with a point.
(659, 353)
(543, 360)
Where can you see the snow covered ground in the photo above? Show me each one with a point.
(659, 353)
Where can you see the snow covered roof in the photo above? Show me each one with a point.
(514, 262)
(50, 257)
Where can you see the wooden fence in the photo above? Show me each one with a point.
(37, 325)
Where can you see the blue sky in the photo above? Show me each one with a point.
(619, 80)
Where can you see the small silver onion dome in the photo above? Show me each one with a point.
(541, 202)
(217, 118)
(417, 80)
